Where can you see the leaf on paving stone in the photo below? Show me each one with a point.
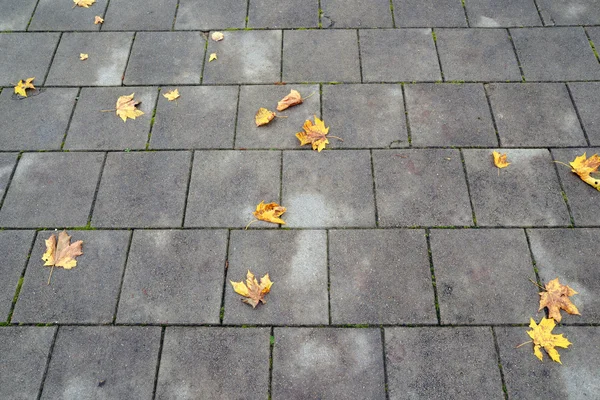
(263, 116)
(556, 297)
(83, 56)
(172, 95)
(62, 253)
(21, 87)
(98, 20)
(252, 290)
(500, 160)
(126, 108)
(542, 336)
(217, 36)
(584, 167)
(292, 99)
(269, 212)
(84, 3)
(314, 134)
(213, 56)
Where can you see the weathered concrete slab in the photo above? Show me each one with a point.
(283, 14)
(430, 13)
(134, 15)
(15, 15)
(207, 14)
(503, 13)
(578, 12)
(586, 96)
(26, 55)
(63, 16)
(356, 14)
(7, 165)
(15, 246)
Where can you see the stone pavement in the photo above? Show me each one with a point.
(404, 268)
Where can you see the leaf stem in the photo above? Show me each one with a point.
(335, 137)
(250, 223)
(560, 162)
(114, 109)
(50, 276)
(309, 96)
(522, 344)
(536, 284)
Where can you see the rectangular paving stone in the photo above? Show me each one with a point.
(244, 57)
(296, 261)
(336, 51)
(175, 58)
(108, 53)
(555, 54)
(207, 14)
(25, 351)
(173, 276)
(586, 96)
(477, 55)
(51, 15)
(133, 15)
(280, 133)
(15, 246)
(356, 14)
(85, 294)
(283, 14)
(365, 115)
(594, 35)
(527, 193)
(91, 362)
(15, 15)
(365, 267)
(576, 12)
(505, 13)
(7, 165)
(328, 364)
(482, 276)
(398, 55)
(535, 115)
(214, 363)
(423, 187)
(341, 197)
(142, 189)
(567, 254)
(66, 180)
(91, 129)
(430, 13)
(528, 378)
(435, 363)
(449, 115)
(37, 122)
(202, 117)
(26, 55)
(226, 186)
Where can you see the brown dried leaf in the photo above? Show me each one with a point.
(252, 290)
(98, 20)
(556, 297)
(217, 36)
(292, 99)
(314, 134)
(62, 254)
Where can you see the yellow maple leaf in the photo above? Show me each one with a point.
(263, 116)
(556, 297)
(98, 20)
(84, 3)
(252, 290)
(500, 160)
(126, 107)
(314, 134)
(269, 212)
(217, 36)
(172, 95)
(584, 167)
(213, 56)
(21, 87)
(62, 253)
(542, 336)
(292, 99)
(83, 56)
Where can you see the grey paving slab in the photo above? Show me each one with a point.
(69, 179)
(529, 378)
(567, 254)
(336, 50)
(15, 15)
(24, 352)
(360, 260)
(176, 58)
(505, 13)
(85, 294)
(449, 115)
(430, 13)
(214, 363)
(144, 189)
(226, 186)
(526, 193)
(423, 187)
(92, 129)
(7, 164)
(45, 129)
(576, 12)
(434, 363)
(133, 15)
(398, 55)
(174, 276)
(207, 14)
(326, 192)
(92, 362)
(63, 16)
(244, 57)
(328, 364)
(586, 96)
(289, 257)
(280, 133)
(26, 55)
(594, 35)
(107, 58)
(477, 55)
(555, 54)
(356, 14)
(15, 246)
(482, 276)
(365, 115)
(536, 115)
(283, 14)
(583, 199)
(202, 117)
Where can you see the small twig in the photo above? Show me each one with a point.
(50, 277)
(560, 162)
(250, 223)
(522, 344)
(537, 284)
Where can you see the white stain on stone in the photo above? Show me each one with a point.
(570, 122)
(488, 22)
(110, 74)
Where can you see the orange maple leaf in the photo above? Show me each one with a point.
(269, 213)
(292, 99)
(252, 290)
(314, 134)
(556, 297)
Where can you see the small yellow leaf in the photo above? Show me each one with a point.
(252, 290)
(263, 116)
(542, 336)
(314, 134)
(213, 56)
(83, 56)
(556, 297)
(63, 253)
(269, 212)
(172, 95)
(217, 36)
(584, 167)
(98, 20)
(500, 160)
(21, 87)
(84, 3)
(126, 108)
(292, 99)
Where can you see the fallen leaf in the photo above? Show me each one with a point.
(172, 95)
(217, 36)
(500, 160)
(252, 290)
(269, 212)
(98, 20)
(542, 336)
(292, 99)
(84, 3)
(263, 116)
(213, 56)
(21, 87)
(584, 167)
(556, 297)
(83, 56)
(63, 253)
(126, 107)
(314, 134)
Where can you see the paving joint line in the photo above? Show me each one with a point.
(360, 66)
(152, 120)
(128, 59)
(393, 16)
(204, 60)
(437, 53)
(406, 118)
(385, 373)
(374, 189)
(499, 360)
(159, 357)
(237, 116)
(587, 139)
(64, 139)
(514, 47)
(101, 27)
(532, 256)
(432, 275)
(489, 102)
(47, 366)
(271, 347)
(60, 35)
(327, 254)
(562, 189)
(10, 179)
(175, 16)
(93, 205)
(187, 188)
(464, 166)
(225, 271)
(281, 59)
(119, 293)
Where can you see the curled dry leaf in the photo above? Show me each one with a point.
(84, 3)
(212, 57)
(252, 290)
(584, 167)
(172, 95)
(500, 160)
(314, 134)
(542, 336)
(269, 212)
(83, 56)
(292, 99)
(126, 107)
(556, 297)
(62, 253)
(263, 116)
(98, 20)
(217, 36)
(21, 87)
